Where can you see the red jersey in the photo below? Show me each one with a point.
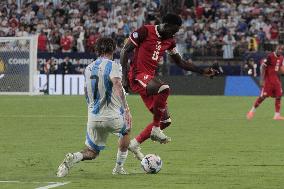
(66, 43)
(149, 49)
(42, 41)
(273, 63)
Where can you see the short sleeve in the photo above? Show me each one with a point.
(138, 36)
(116, 70)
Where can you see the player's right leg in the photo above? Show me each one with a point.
(278, 95)
(72, 158)
(259, 100)
(121, 156)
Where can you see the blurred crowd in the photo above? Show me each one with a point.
(227, 28)
(209, 27)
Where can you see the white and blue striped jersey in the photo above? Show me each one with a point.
(103, 104)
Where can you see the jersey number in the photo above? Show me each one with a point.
(156, 52)
(96, 85)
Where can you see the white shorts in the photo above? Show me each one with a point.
(98, 131)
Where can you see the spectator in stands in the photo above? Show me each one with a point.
(250, 67)
(66, 65)
(91, 41)
(78, 67)
(50, 66)
(66, 42)
(274, 33)
(228, 46)
(80, 40)
(42, 42)
(212, 18)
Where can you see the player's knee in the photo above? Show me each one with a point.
(165, 89)
(166, 123)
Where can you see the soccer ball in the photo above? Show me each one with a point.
(151, 163)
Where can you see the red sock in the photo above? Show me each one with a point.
(160, 102)
(258, 101)
(145, 134)
(277, 104)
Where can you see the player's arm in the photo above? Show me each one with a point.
(189, 66)
(262, 72)
(127, 48)
(115, 77)
(119, 91)
(134, 40)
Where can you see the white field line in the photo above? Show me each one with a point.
(53, 185)
(50, 184)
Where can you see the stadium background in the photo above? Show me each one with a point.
(213, 146)
(235, 33)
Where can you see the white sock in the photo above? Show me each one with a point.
(78, 156)
(134, 142)
(252, 109)
(277, 114)
(120, 158)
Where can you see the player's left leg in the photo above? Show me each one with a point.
(166, 119)
(119, 126)
(277, 115)
(278, 95)
(161, 92)
(121, 155)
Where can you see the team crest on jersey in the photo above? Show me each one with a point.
(135, 35)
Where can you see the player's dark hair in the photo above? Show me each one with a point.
(172, 19)
(105, 45)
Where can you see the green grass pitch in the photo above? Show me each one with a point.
(213, 145)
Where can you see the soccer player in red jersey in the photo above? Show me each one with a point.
(149, 44)
(270, 82)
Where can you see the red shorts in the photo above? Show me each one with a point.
(138, 85)
(272, 90)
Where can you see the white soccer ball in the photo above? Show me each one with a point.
(151, 163)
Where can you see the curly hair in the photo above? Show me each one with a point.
(105, 45)
(172, 19)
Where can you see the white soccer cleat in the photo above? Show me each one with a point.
(135, 149)
(119, 170)
(66, 165)
(158, 135)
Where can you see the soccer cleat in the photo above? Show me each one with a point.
(250, 115)
(135, 149)
(158, 135)
(119, 170)
(66, 165)
(278, 117)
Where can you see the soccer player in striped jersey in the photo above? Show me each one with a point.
(108, 110)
